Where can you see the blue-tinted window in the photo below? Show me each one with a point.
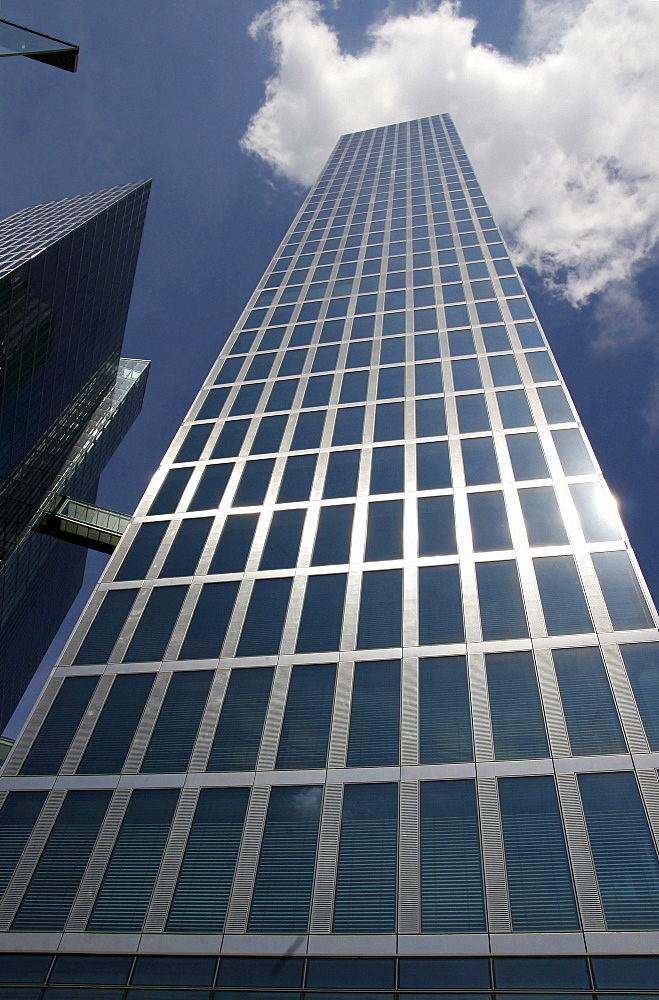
(389, 422)
(559, 973)
(428, 379)
(151, 637)
(268, 436)
(333, 535)
(341, 476)
(210, 620)
(626, 972)
(527, 457)
(444, 714)
(623, 850)
(480, 461)
(306, 726)
(238, 734)
(623, 595)
(194, 442)
(537, 867)
(442, 973)
(489, 522)
(451, 874)
(388, 470)
(391, 383)
(264, 621)
(542, 516)
(229, 371)
(211, 406)
(53, 886)
(514, 409)
(259, 367)
(254, 482)
(496, 339)
(104, 631)
(430, 418)
(185, 550)
(500, 597)
(325, 359)
(517, 721)
(274, 973)
(167, 498)
(384, 535)
(365, 899)
(375, 714)
(292, 363)
(143, 548)
(308, 430)
(297, 479)
(572, 452)
(231, 439)
(472, 414)
(123, 898)
(107, 969)
(562, 597)
(353, 387)
(588, 706)
(440, 605)
(504, 371)
(380, 609)
(322, 613)
(392, 351)
(348, 426)
(232, 550)
(211, 487)
(436, 526)
(204, 882)
(359, 354)
(284, 878)
(596, 512)
(176, 728)
(60, 726)
(317, 392)
(393, 323)
(283, 393)
(433, 469)
(245, 401)
(466, 375)
(18, 815)
(642, 664)
(460, 342)
(555, 405)
(541, 366)
(115, 728)
(283, 542)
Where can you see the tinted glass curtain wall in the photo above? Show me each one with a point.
(387, 661)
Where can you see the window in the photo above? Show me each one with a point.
(308, 430)
(231, 439)
(444, 714)
(460, 342)
(384, 536)
(269, 434)
(436, 526)
(167, 498)
(333, 536)
(306, 726)
(514, 409)
(245, 401)
(517, 722)
(232, 550)
(388, 470)
(322, 613)
(380, 610)
(430, 418)
(143, 548)
(211, 487)
(433, 468)
(115, 727)
(472, 414)
(238, 734)
(572, 452)
(365, 898)
(389, 422)
(202, 890)
(428, 379)
(52, 742)
(527, 458)
(590, 712)
(341, 476)
(596, 512)
(440, 606)
(489, 523)
(542, 516)
(542, 367)
(297, 479)
(466, 375)
(264, 621)
(284, 878)
(642, 664)
(213, 403)
(451, 875)
(391, 383)
(353, 387)
(480, 462)
(537, 867)
(194, 442)
(178, 721)
(254, 482)
(555, 405)
(283, 542)
(562, 596)
(18, 814)
(210, 620)
(348, 426)
(283, 393)
(185, 550)
(317, 392)
(622, 592)
(154, 629)
(375, 714)
(104, 631)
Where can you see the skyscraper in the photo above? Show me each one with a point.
(366, 699)
(66, 401)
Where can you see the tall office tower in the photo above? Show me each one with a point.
(66, 400)
(366, 699)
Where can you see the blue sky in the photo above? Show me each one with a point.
(167, 90)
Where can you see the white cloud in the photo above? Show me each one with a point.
(563, 139)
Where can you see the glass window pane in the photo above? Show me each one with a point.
(264, 622)
(317, 392)
(238, 734)
(143, 548)
(60, 726)
(389, 422)
(430, 418)
(308, 430)
(472, 414)
(514, 409)
(104, 631)
(440, 605)
(572, 452)
(154, 629)
(562, 597)
(444, 713)
(433, 468)
(322, 613)
(18, 815)
(297, 479)
(588, 706)
(306, 726)
(380, 610)
(428, 379)
(384, 536)
(501, 604)
(504, 370)
(253, 484)
(214, 401)
(211, 487)
(388, 470)
(642, 664)
(596, 511)
(341, 476)
(231, 439)
(489, 522)
(555, 405)
(436, 526)
(480, 461)
(517, 722)
(527, 457)
(622, 592)
(542, 516)
(194, 442)
(283, 542)
(185, 550)
(333, 535)
(375, 714)
(269, 434)
(234, 544)
(466, 375)
(283, 393)
(348, 426)
(178, 721)
(115, 727)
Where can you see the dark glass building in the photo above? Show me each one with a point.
(366, 701)
(66, 399)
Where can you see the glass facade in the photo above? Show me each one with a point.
(392, 727)
(67, 398)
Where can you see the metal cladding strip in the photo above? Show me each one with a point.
(170, 867)
(322, 902)
(24, 743)
(583, 866)
(551, 700)
(409, 860)
(273, 720)
(494, 862)
(131, 623)
(32, 852)
(624, 697)
(89, 719)
(409, 742)
(147, 723)
(209, 721)
(480, 708)
(98, 861)
(338, 744)
(182, 622)
(649, 784)
(248, 857)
